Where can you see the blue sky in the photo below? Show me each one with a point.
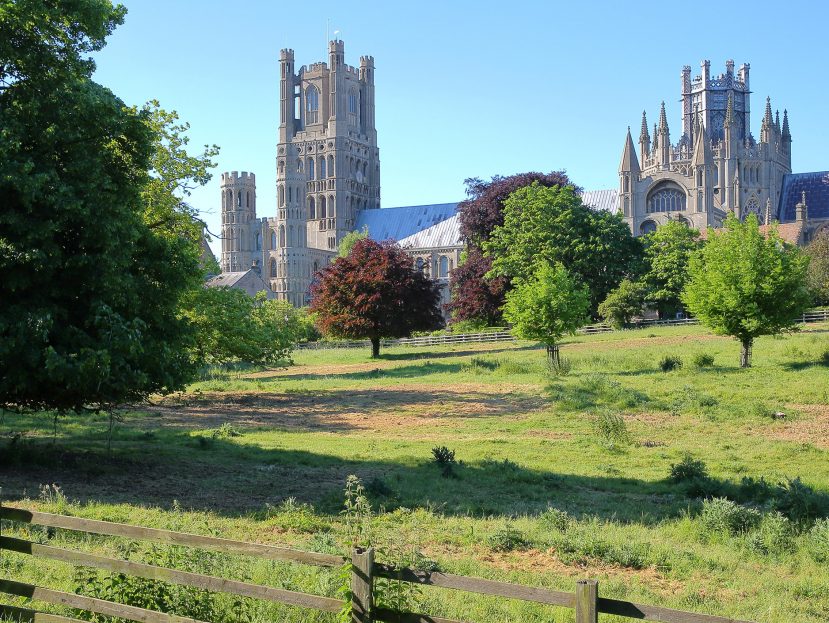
(467, 89)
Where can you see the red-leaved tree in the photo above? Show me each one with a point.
(375, 293)
(475, 297)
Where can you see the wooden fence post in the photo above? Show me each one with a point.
(362, 570)
(587, 601)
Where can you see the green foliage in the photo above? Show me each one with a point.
(703, 360)
(232, 326)
(746, 284)
(623, 303)
(96, 246)
(669, 363)
(798, 501)
(817, 276)
(819, 540)
(445, 459)
(722, 516)
(688, 469)
(611, 429)
(547, 305)
(557, 519)
(356, 513)
(773, 536)
(507, 538)
(551, 225)
(667, 253)
(350, 239)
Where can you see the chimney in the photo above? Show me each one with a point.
(802, 213)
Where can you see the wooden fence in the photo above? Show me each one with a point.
(585, 600)
(503, 334)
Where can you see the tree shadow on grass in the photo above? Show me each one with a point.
(442, 354)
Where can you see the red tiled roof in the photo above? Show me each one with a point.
(788, 232)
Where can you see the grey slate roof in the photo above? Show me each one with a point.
(399, 223)
(226, 279)
(601, 199)
(816, 186)
(446, 233)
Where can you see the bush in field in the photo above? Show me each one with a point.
(773, 536)
(819, 540)
(507, 539)
(797, 501)
(688, 470)
(703, 360)
(610, 427)
(669, 363)
(722, 516)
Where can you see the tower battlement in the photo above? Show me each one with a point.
(234, 178)
(286, 54)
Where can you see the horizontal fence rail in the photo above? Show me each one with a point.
(585, 600)
(503, 334)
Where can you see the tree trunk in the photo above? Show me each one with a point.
(553, 355)
(745, 352)
(375, 347)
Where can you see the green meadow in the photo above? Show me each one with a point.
(652, 462)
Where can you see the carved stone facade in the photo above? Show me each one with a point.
(328, 170)
(715, 167)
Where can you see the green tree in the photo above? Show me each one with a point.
(745, 284)
(349, 240)
(818, 274)
(546, 306)
(551, 224)
(92, 280)
(623, 303)
(232, 326)
(667, 252)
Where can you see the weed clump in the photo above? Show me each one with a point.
(703, 360)
(559, 367)
(556, 519)
(445, 459)
(611, 429)
(669, 363)
(226, 431)
(819, 541)
(773, 536)
(797, 501)
(688, 469)
(722, 516)
(507, 539)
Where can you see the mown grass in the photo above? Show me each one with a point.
(557, 476)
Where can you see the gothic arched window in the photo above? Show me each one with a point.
(330, 166)
(281, 235)
(331, 206)
(666, 198)
(353, 102)
(258, 241)
(273, 239)
(322, 207)
(273, 267)
(310, 168)
(443, 271)
(312, 208)
(322, 167)
(312, 104)
(247, 200)
(648, 227)
(281, 193)
(239, 199)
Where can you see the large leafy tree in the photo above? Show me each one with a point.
(623, 303)
(746, 284)
(818, 274)
(94, 271)
(375, 292)
(551, 224)
(546, 306)
(475, 296)
(667, 253)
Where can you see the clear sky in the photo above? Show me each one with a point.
(468, 89)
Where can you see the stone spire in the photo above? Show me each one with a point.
(729, 111)
(768, 211)
(703, 155)
(767, 125)
(655, 138)
(663, 120)
(787, 135)
(644, 138)
(777, 120)
(629, 161)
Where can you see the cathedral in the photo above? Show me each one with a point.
(328, 178)
(717, 167)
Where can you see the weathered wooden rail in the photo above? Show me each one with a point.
(503, 334)
(585, 601)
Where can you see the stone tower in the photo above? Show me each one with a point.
(328, 166)
(716, 167)
(239, 225)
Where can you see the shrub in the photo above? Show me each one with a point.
(559, 367)
(445, 458)
(226, 431)
(507, 539)
(774, 535)
(819, 540)
(688, 470)
(557, 519)
(479, 364)
(797, 501)
(610, 427)
(722, 516)
(703, 360)
(669, 363)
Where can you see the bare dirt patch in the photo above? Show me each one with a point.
(387, 409)
(810, 427)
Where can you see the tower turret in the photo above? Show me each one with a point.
(238, 221)
(664, 151)
(628, 175)
(767, 127)
(287, 95)
(644, 139)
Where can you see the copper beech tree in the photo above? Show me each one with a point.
(373, 293)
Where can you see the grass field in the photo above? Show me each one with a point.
(557, 477)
